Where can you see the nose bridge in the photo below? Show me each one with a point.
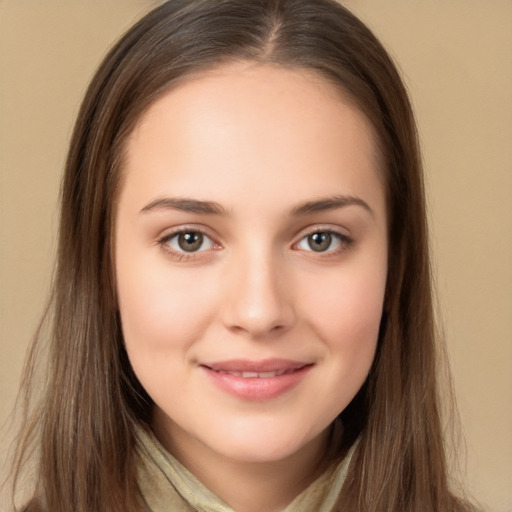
(258, 300)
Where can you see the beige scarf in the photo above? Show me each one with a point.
(167, 486)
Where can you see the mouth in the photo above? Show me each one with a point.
(257, 380)
(255, 375)
(256, 369)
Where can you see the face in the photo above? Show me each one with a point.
(251, 260)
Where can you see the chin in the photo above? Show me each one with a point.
(261, 443)
(263, 452)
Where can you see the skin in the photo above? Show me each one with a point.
(259, 141)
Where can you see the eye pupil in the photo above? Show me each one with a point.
(190, 242)
(320, 241)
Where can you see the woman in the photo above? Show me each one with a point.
(242, 312)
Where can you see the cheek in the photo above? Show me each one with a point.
(345, 312)
(162, 318)
(161, 311)
(352, 300)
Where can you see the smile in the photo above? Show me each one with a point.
(256, 381)
(256, 375)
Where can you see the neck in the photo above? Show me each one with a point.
(249, 486)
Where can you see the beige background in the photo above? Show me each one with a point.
(456, 56)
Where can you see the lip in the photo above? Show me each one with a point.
(256, 384)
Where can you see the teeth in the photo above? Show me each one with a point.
(264, 375)
(257, 375)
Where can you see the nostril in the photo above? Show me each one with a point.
(257, 303)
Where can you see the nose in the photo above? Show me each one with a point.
(258, 299)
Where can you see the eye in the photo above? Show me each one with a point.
(189, 241)
(323, 241)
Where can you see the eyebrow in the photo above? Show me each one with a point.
(213, 208)
(329, 203)
(185, 205)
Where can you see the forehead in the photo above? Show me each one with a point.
(246, 125)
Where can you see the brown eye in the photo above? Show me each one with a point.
(189, 241)
(320, 242)
(324, 241)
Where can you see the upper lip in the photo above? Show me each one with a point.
(246, 365)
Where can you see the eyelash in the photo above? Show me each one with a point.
(184, 255)
(344, 241)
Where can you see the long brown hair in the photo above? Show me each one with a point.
(84, 425)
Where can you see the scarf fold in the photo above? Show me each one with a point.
(166, 485)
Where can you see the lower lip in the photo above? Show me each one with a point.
(257, 388)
